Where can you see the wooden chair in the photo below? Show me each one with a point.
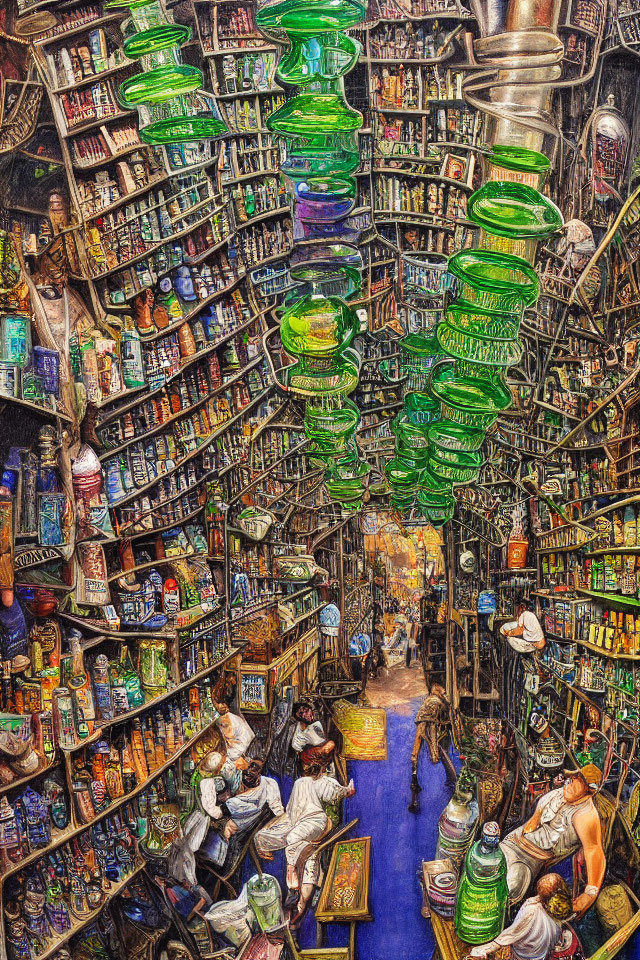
(223, 876)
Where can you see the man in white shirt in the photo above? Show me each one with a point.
(305, 821)
(536, 928)
(527, 630)
(242, 810)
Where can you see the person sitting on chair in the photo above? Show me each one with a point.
(236, 814)
(525, 634)
(564, 821)
(236, 732)
(309, 739)
(304, 822)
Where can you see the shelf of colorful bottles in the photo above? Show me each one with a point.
(187, 262)
(184, 411)
(621, 551)
(95, 122)
(611, 598)
(594, 647)
(101, 628)
(158, 246)
(99, 732)
(202, 304)
(80, 925)
(71, 832)
(83, 81)
(276, 212)
(89, 215)
(396, 171)
(92, 24)
(194, 453)
(150, 564)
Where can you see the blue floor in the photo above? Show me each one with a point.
(400, 841)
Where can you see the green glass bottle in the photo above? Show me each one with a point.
(483, 893)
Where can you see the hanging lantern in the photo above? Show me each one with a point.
(493, 285)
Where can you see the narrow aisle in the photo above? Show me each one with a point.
(400, 841)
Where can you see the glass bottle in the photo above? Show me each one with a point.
(131, 354)
(135, 695)
(153, 666)
(47, 480)
(456, 826)
(265, 899)
(102, 687)
(483, 892)
(80, 687)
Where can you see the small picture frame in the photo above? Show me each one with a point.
(456, 167)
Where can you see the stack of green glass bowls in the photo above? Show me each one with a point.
(411, 482)
(167, 92)
(320, 133)
(491, 286)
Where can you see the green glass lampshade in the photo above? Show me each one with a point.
(322, 377)
(318, 326)
(421, 408)
(418, 354)
(182, 129)
(347, 482)
(496, 282)
(319, 133)
(310, 16)
(325, 278)
(402, 478)
(437, 509)
(470, 396)
(136, 6)
(169, 90)
(487, 324)
(464, 346)
(435, 499)
(449, 435)
(159, 85)
(513, 210)
(517, 160)
(410, 438)
(315, 114)
(330, 425)
(415, 460)
(148, 42)
(401, 501)
(321, 154)
(455, 466)
(379, 486)
(316, 58)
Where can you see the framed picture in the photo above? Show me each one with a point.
(456, 167)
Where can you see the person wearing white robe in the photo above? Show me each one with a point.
(307, 735)
(303, 822)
